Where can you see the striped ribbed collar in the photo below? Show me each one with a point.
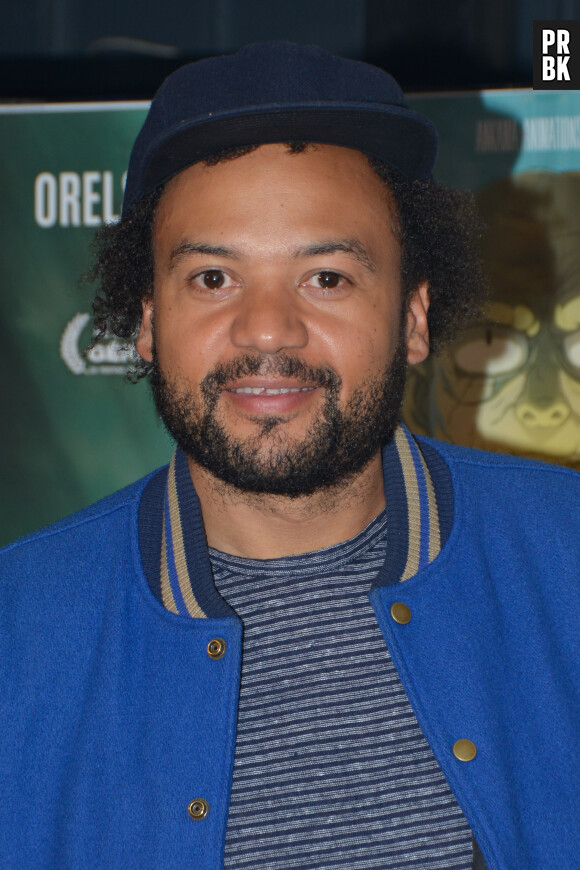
(419, 505)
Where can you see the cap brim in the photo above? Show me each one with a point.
(397, 135)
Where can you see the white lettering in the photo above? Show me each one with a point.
(45, 199)
(563, 40)
(73, 199)
(557, 133)
(563, 74)
(69, 184)
(91, 198)
(548, 39)
(548, 68)
(109, 216)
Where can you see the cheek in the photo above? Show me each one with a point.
(352, 351)
(187, 344)
(372, 335)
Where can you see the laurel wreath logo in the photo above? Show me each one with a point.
(110, 357)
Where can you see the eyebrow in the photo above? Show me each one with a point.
(339, 246)
(185, 249)
(316, 249)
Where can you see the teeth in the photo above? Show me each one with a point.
(265, 391)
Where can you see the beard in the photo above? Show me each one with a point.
(340, 442)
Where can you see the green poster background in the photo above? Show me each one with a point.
(73, 430)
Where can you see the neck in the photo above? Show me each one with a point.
(262, 526)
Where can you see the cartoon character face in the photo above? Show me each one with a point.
(512, 383)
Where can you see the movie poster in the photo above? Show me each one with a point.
(73, 430)
(512, 383)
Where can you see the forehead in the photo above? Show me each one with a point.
(322, 187)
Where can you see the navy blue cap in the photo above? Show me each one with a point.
(276, 92)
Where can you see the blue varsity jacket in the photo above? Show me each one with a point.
(115, 716)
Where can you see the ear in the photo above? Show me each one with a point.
(417, 327)
(144, 343)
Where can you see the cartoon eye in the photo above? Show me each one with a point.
(491, 351)
(572, 348)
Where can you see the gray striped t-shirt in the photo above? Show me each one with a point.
(331, 768)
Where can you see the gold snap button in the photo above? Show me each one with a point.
(400, 612)
(216, 648)
(198, 809)
(464, 750)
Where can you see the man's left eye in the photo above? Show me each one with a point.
(328, 280)
(325, 280)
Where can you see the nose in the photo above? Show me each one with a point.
(541, 405)
(551, 415)
(268, 320)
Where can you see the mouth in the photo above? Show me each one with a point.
(271, 396)
(269, 391)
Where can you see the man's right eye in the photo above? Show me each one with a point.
(213, 279)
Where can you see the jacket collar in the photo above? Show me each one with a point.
(416, 527)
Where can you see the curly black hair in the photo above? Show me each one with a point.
(437, 227)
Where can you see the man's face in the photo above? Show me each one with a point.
(278, 338)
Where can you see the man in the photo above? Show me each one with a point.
(312, 641)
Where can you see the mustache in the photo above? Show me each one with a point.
(283, 365)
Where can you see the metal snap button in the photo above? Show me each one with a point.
(216, 648)
(198, 809)
(400, 612)
(464, 750)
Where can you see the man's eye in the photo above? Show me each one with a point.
(328, 280)
(212, 279)
(325, 281)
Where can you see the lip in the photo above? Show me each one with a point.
(266, 383)
(258, 395)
